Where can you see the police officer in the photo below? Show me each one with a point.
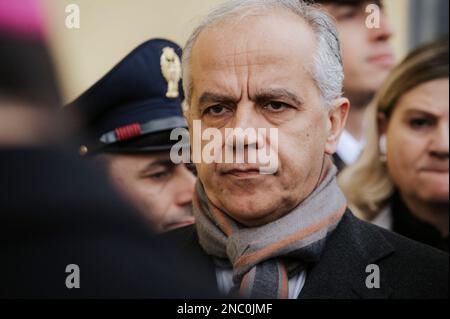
(129, 115)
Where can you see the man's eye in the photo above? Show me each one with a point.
(419, 123)
(276, 106)
(216, 110)
(346, 15)
(159, 175)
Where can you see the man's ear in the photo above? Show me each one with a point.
(336, 118)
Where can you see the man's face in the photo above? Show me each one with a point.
(367, 53)
(159, 189)
(255, 74)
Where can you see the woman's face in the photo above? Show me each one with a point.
(417, 142)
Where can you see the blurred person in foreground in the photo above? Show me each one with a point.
(286, 232)
(128, 116)
(401, 180)
(57, 212)
(368, 56)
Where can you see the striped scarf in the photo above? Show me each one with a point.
(263, 258)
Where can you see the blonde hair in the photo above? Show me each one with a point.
(367, 184)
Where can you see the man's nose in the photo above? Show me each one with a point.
(385, 31)
(185, 186)
(245, 125)
(439, 145)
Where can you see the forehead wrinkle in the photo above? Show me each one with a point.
(243, 71)
(244, 58)
(239, 62)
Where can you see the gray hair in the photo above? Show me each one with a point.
(328, 73)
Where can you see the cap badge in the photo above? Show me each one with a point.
(171, 70)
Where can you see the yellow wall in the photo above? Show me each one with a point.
(111, 28)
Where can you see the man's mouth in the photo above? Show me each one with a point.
(242, 172)
(386, 60)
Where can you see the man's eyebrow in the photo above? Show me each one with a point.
(159, 162)
(276, 94)
(260, 96)
(208, 97)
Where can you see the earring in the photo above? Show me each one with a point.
(383, 148)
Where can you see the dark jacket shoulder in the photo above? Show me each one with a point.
(406, 269)
(415, 270)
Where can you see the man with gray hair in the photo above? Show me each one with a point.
(276, 64)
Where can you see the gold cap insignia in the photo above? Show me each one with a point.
(171, 70)
(83, 150)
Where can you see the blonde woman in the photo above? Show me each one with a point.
(401, 180)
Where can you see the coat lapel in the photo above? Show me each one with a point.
(341, 272)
